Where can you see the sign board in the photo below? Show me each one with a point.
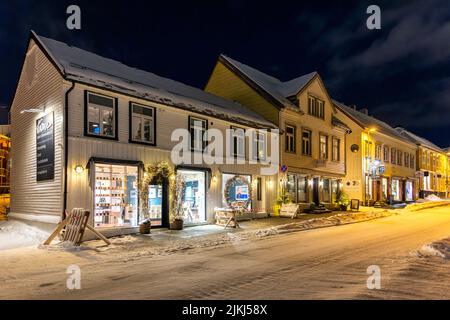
(283, 168)
(45, 148)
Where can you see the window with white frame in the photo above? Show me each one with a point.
(316, 107)
(306, 142)
(412, 161)
(259, 146)
(378, 151)
(238, 142)
(197, 130)
(399, 157)
(393, 156)
(323, 146)
(101, 113)
(290, 138)
(386, 154)
(406, 160)
(142, 123)
(336, 147)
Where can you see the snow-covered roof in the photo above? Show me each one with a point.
(368, 122)
(418, 140)
(277, 89)
(89, 68)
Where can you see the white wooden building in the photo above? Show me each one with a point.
(84, 127)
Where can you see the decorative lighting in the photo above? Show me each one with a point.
(172, 177)
(79, 169)
(372, 129)
(214, 178)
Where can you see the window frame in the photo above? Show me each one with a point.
(191, 137)
(131, 134)
(333, 139)
(386, 153)
(294, 139)
(255, 140)
(393, 156)
(327, 144)
(115, 100)
(309, 142)
(316, 110)
(233, 137)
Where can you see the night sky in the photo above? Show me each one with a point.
(401, 73)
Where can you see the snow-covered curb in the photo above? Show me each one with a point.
(426, 205)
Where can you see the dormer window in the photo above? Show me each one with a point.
(316, 107)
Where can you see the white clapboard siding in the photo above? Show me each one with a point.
(82, 148)
(39, 86)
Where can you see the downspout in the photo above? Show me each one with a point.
(66, 147)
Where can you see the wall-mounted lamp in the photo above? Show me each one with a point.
(79, 169)
(321, 183)
(310, 182)
(269, 183)
(214, 178)
(173, 177)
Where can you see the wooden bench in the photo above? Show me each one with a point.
(289, 210)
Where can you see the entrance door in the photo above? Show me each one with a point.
(316, 191)
(158, 205)
(194, 198)
(377, 191)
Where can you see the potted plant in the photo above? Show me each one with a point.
(176, 223)
(342, 200)
(145, 226)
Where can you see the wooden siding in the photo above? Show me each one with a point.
(39, 86)
(225, 83)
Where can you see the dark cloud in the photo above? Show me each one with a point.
(401, 72)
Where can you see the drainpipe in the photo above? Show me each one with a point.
(66, 147)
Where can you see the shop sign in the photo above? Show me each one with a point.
(284, 168)
(45, 148)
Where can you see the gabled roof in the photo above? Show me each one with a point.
(420, 141)
(272, 88)
(89, 68)
(368, 122)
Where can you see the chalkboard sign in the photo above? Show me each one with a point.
(45, 148)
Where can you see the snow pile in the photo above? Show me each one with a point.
(66, 246)
(14, 234)
(439, 249)
(433, 197)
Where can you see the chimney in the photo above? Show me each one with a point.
(365, 111)
(353, 106)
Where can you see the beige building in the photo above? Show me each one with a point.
(86, 127)
(430, 166)
(381, 163)
(312, 141)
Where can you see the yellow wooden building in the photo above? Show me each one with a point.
(312, 141)
(431, 166)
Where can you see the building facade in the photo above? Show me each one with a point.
(312, 139)
(381, 163)
(431, 166)
(86, 129)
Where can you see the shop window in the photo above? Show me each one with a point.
(143, 124)
(236, 191)
(197, 130)
(323, 147)
(290, 186)
(115, 196)
(396, 196)
(409, 196)
(336, 147)
(302, 183)
(238, 142)
(334, 190)
(326, 190)
(306, 142)
(101, 113)
(194, 195)
(290, 138)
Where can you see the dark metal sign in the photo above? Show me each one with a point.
(45, 148)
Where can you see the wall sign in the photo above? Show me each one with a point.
(45, 148)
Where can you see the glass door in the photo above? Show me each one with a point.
(194, 201)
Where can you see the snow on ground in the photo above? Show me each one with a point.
(15, 234)
(439, 248)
